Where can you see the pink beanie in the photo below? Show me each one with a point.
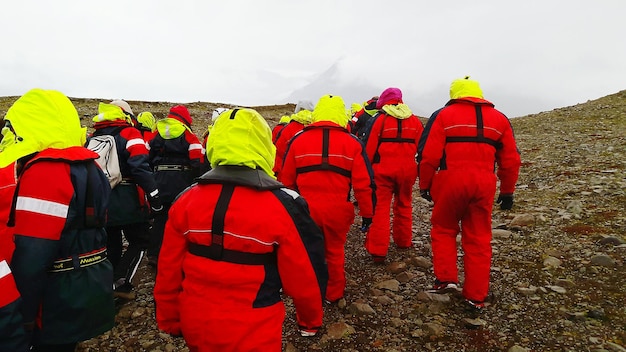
(389, 96)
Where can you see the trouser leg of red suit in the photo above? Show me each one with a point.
(377, 238)
(450, 201)
(403, 211)
(476, 242)
(334, 219)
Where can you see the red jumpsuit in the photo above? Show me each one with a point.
(391, 146)
(59, 264)
(458, 152)
(324, 163)
(231, 243)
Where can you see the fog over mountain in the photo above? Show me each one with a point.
(353, 82)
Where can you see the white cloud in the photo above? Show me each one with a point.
(528, 56)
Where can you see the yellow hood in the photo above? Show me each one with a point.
(465, 87)
(41, 119)
(110, 112)
(302, 116)
(399, 111)
(284, 119)
(331, 108)
(241, 138)
(170, 128)
(147, 120)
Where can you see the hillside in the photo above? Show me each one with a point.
(559, 263)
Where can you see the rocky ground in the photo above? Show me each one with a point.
(558, 272)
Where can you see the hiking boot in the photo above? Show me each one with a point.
(378, 259)
(124, 291)
(474, 306)
(444, 287)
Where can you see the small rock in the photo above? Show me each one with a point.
(612, 240)
(551, 262)
(421, 262)
(435, 329)
(391, 285)
(474, 323)
(360, 309)
(557, 289)
(498, 233)
(517, 348)
(339, 330)
(396, 267)
(384, 300)
(522, 220)
(602, 260)
(405, 277)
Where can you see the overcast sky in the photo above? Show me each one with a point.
(529, 56)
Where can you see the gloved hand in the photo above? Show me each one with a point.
(365, 224)
(505, 201)
(156, 206)
(425, 193)
(307, 332)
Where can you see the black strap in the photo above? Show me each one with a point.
(216, 249)
(480, 132)
(235, 257)
(476, 139)
(324, 167)
(232, 114)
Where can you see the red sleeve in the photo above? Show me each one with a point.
(287, 173)
(508, 160)
(169, 278)
(362, 183)
(196, 150)
(135, 144)
(431, 153)
(301, 265)
(41, 211)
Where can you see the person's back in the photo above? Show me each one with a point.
(177, 157)
(232, 242)
(59, 263)
(133, 200)
(391, 145)
(325, 163)
(457, 154)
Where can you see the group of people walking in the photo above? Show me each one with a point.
(233, 223)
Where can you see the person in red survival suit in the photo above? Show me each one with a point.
(457, 154)
(300, 118)
(59, 263)
(391, 144)
(177, 158)
(12, 335)
(128, 211)
(232, 242)
(323, 163)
